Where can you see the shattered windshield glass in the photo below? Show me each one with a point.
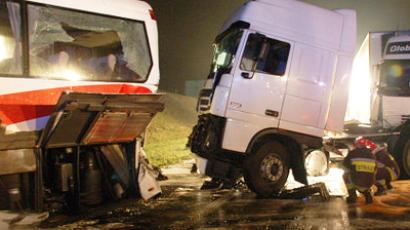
(225, 48)
(395, 77)
(72, 45)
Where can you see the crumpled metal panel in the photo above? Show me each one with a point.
(118, 161)
(90, 118)
(17, 140)
(117, 127)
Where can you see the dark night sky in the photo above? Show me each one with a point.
(187, 29)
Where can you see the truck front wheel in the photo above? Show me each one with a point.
(267, 168)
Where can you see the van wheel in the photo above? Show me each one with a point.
(404, 160)
(267, 168)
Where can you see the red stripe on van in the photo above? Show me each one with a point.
(19, 107)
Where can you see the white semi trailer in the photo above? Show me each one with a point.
(379, 98)
(278, 83)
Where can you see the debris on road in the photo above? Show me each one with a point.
(9, 219)
(148, 184)
(223, 184)
(295, 193)
(305, 191)
(183, 205)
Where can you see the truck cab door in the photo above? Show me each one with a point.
(259, 81)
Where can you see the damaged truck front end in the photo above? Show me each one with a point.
(271, 94)
(205, 142)
(228, 166)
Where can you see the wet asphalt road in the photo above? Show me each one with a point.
(184, 206)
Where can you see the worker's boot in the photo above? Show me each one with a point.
(380, 190)
(368, 197)
(351, 199)
(212, 184)
(388, 185)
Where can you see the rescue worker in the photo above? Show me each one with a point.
(387, 170)
(360, 170)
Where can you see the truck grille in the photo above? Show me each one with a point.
(204, 101)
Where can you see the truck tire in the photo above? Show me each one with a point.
(404, 161)
(316, 162)
(266, 169)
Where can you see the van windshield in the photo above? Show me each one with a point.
(395, 77)
(72, 45)
(225, 47)
(11, 53)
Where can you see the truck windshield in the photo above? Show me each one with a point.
(225, 48)
(395, 77)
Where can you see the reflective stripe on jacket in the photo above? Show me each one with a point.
(385, 160)
(362, 166)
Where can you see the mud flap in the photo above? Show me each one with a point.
(297, 165)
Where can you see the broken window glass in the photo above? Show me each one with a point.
(10, 38)
(73, 45)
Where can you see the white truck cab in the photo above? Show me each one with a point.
(279, 79)
(394, 82)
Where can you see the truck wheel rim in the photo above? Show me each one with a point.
(272, 168)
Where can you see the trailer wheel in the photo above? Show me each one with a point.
(405, 160)
(267, 168)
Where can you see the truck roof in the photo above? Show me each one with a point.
(400, 38)
(299, 21)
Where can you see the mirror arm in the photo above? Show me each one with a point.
(261, 55)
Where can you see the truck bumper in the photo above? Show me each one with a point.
(206, 136)
(206, 140)
(205, 143)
